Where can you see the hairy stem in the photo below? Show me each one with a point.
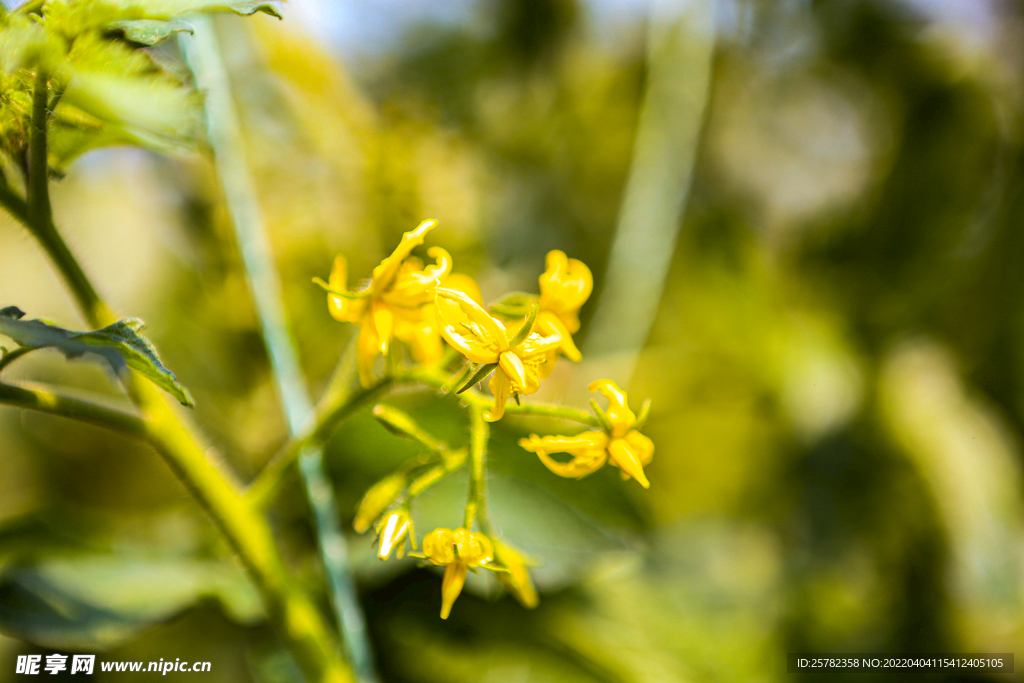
(41, 400)
(479, 435)
(297, 620)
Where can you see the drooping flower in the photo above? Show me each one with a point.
(619, 442)
(565, 286)
(392, 304)
(457, 551)
(515, 356)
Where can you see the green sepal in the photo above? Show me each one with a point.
(527, 327)
(602, 417)
(645, 411)
(344, 295)
(120, 345)
(513, 305)
(478, 376)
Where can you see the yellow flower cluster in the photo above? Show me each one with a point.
(519, 340)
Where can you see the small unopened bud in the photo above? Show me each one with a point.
(378, 499)
(394, 530)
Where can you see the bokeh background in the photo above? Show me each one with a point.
(806, 224)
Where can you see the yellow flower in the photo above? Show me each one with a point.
(482, 339)
(619, 442)
(457, 551)
(392, 304)
(423, 334)
(394, 530)
(564, 287)
(517, 578)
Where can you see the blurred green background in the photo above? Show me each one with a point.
(835, 350)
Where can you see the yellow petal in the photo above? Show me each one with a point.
(501, 388)
(383, 324)
(438, 546)
(642, 446)
(423, 336)
(457, 329)
(517, 578)
(473, 549)
(550, 325)
(621, 417)
(628, 460)
(512, 365)
(384, 274)
(464, 284)
(416, 285)
(565, 286)
(345, 310)
(367, 348)
(491, 330)
(588, 450)
(451, 586)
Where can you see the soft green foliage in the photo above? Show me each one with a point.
(121, 345)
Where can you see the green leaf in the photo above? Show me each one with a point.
(97, 601)
(120, 345)
(169, 9)
(149, 32)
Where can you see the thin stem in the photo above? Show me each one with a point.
(41, 400)
(204, 56)
(261, 491)
(479, 435)
(15, 205)
(38, 216)
(12, 356)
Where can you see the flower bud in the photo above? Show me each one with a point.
(378, 499)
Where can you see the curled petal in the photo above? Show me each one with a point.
(512, 365)
(490, 329)
(384, 274)
(416, 285)
(457, 329)
(451, 586)
(501, 388)
(589, 451)
(438, 546)
(367, 348)
(550, 325)
(565, 286)
(621, 417)
(345, 310)
(626, 455)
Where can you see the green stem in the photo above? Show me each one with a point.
(204, 55)
(38, 217)
(12, 356)
(31, 398)
(479, 435)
